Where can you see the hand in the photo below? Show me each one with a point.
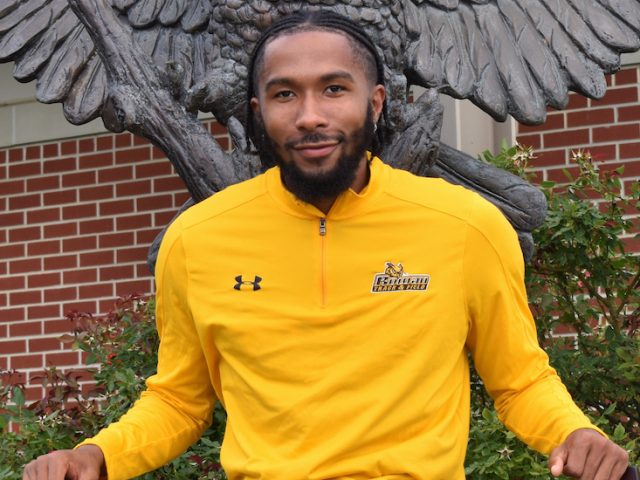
(587, 455)
(84, 463)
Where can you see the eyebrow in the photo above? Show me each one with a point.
(328, 77)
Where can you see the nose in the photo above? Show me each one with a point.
(310, 115)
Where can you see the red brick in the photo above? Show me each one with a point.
(103, 257)
(559, 176)
(218, 129)
(13, 346)
(4, 363)
(25, 266)
(69, 148)
(43, 311)
(79, 211)
(131, 155)
(33, 152)
(134, 286)
(3, 172)
(553, 121)
(62, 359)
(44, 280)
(168, 184)
(12, 251)
(96, 193)
(157, 153)
(180, 198)
(616, 96)
(58, 230)
(11, 283)
(60, 294)
(82, 306)
(11, 219)
(224, 143)
(116, 273)
(24, 329)
(43, 183)
(116, 240)
(163, 218)
(628, 114)
(60, 165)
(16, 155)
(43, 215)
(61, 262)
(24, 234)
(136, 254)
(80, 276)
(11, 314)
(146, 237)
(627, 76)
(50, 150)
(25, 169)
(142, 270)
(86, 145)
(631, 169)
(105, 142)
(116, 207)
(156, 202)
(530, 141)
(3, 156)
(24, 201)
(597, 116)
(4, 302)
(96, 226)
(547, 158)
(115, 174)
(44, 344)
(154, 169)
(123, 140)
(95, 160)
(78, 179)
(60, 197)
(617, 132)
(28, 297)
(58, 326)
(603, 153)
(133, 222)
(566, 138)
(22, 362)
(12, 187)
(577, 101)
(137, 187)
(96, 290)
(77, 244)
(140, 140)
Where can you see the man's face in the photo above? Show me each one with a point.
(317, 108)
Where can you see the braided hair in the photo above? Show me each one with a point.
(308, 20)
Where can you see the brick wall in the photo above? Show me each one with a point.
(77, 216)
(76, 220)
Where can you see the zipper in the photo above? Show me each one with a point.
(323, 272)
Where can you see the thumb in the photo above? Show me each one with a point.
(557, 460)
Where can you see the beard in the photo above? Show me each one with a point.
(312, 187)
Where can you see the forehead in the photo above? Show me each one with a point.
(310, 54)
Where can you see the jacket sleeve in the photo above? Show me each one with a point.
(529, 396)
(176, 407)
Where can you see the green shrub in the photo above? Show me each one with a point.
(581, 280)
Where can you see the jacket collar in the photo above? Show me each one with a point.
(348, 203)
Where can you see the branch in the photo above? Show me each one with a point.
(141, 101)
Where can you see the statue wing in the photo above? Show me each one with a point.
(48, 43)
(518, 56)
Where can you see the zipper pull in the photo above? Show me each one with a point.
(323, 227)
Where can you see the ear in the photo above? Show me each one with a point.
(378, 95)
(255, 106)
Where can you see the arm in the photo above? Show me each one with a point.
(529, 396)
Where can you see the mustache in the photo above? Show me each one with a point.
(313, 138)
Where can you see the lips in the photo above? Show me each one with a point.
(316, 150)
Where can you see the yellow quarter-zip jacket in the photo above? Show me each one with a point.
(338, 344)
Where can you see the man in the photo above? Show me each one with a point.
(329, 303)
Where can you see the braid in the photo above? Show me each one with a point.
(307, 20)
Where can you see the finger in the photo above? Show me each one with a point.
(28, 472)
(557, 460)
(42, 468)
(58, 467)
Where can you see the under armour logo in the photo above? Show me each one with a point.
(255, 283)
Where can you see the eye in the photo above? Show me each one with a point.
(283, 94)
(335, 89)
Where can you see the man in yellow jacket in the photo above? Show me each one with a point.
(330, 303)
